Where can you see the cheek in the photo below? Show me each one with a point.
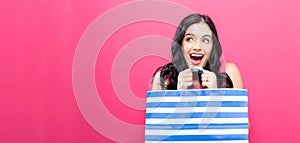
(187, 47)
(208, 50)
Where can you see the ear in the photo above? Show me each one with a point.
(234, 73)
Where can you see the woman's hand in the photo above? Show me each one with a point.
(209, 79)
(185, 79)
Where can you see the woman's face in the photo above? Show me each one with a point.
(197, 44)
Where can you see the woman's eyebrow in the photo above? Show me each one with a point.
(191, 34)
(207, 35)
(187, 34)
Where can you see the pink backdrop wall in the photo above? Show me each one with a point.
(38, 43)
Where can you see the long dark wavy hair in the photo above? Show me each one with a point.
(169, 72)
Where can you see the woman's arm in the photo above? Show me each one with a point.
(156, 85)
(234, 73)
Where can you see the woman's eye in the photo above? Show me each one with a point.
(205, 40)
(189, 39)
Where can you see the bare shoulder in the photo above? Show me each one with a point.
(234, 73)
(156, 85)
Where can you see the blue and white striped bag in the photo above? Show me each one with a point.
(202, 116)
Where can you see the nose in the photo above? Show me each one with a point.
(197, 47)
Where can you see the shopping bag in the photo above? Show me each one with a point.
(202, 116)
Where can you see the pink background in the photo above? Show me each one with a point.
(39, 38)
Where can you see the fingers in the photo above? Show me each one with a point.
(186, 85)
(185, 79)
(209, 79)
(186, 73)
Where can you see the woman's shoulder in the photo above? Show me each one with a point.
(160, 71)
(234, 73)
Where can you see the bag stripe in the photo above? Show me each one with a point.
(224, 141)
(196, 137)
(198, 104)
(196, 98)
(197, 121)
(197, 132)
(196, 109)
(197, 115)
(195, 126)
(203, 92)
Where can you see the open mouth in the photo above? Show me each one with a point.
(196, 58)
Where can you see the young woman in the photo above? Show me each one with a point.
(196, 46)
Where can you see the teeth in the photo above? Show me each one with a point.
(196, 55)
